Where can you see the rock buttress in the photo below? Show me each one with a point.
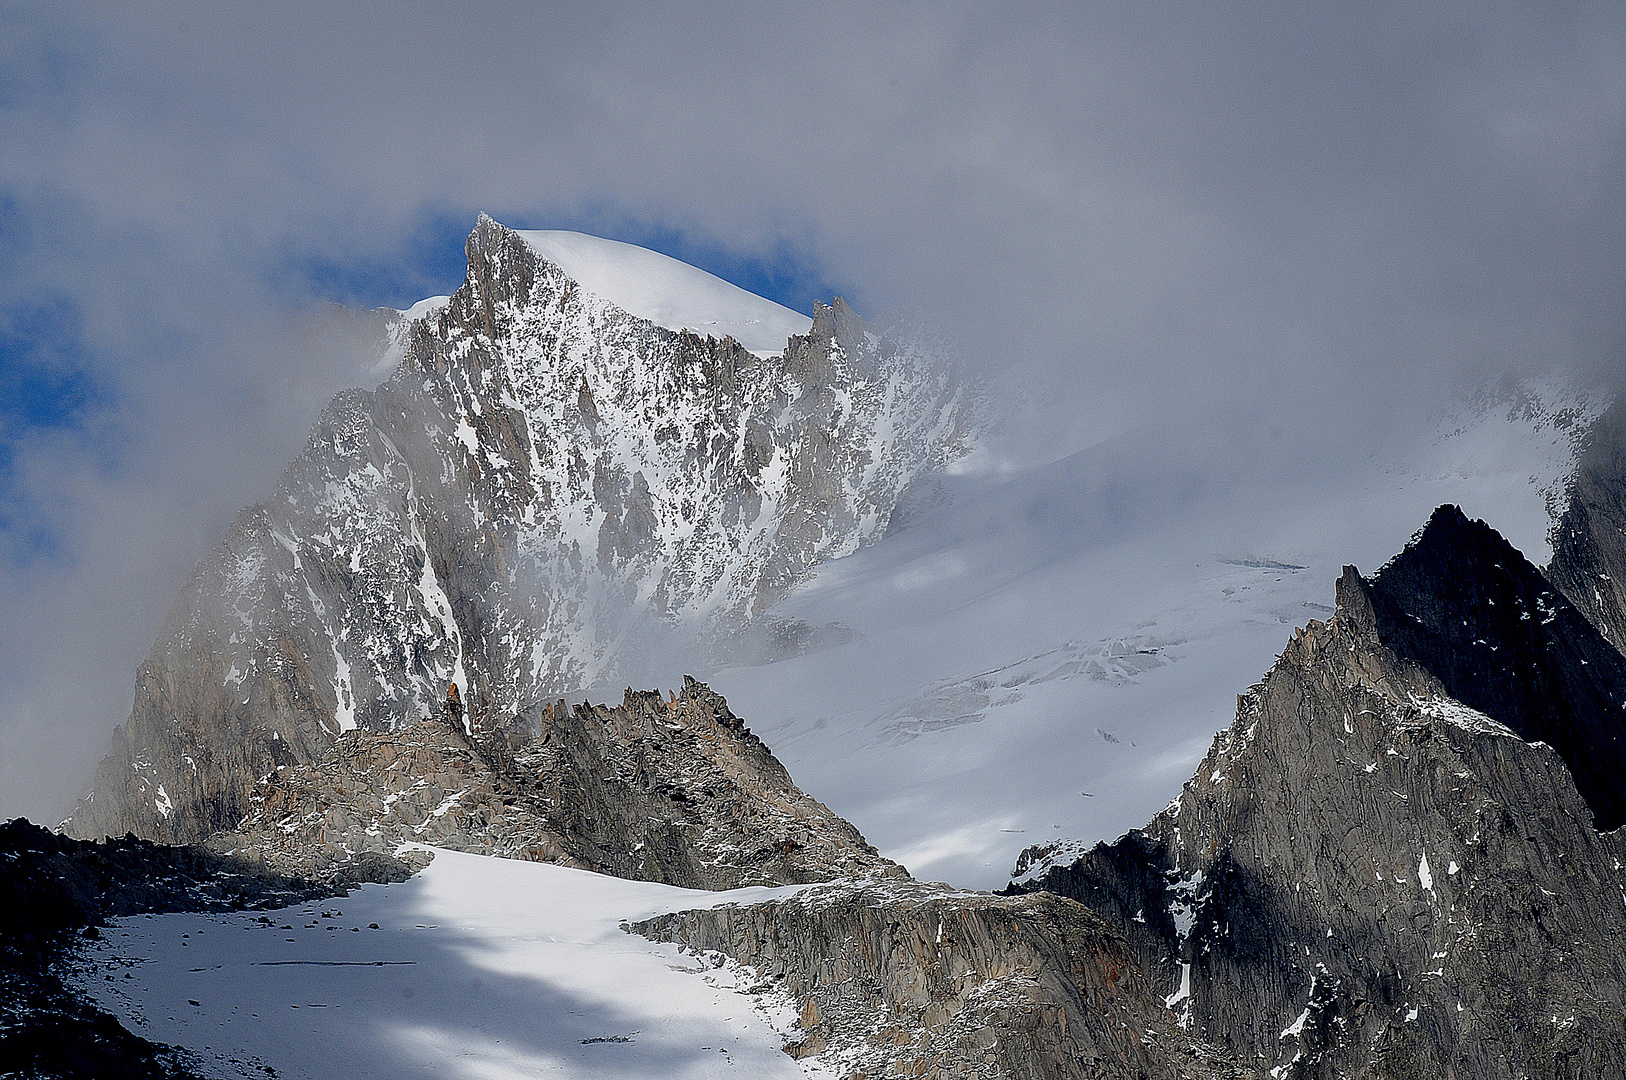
(1366, 877)
(897, 978)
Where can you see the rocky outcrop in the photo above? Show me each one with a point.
(1367, 877)
(1589, 541)
(544, 484)
(673, 789)
(897, 978)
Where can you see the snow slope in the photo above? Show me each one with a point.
(667, 292)
(1048, 654)
(480, 967)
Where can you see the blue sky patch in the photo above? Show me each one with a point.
(46, 383)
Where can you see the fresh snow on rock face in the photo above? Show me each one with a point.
(667, 292)
(481, 967)
(1047, 653)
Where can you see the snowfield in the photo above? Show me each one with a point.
(479, 967)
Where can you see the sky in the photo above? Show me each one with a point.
(1272, 232)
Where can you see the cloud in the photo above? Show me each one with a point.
(1249, 224)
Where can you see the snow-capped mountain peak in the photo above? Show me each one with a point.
(667, 292)
(545, 483)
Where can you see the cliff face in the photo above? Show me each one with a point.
(675, 789)
(1368, 877)
(544, 482)
(903, 979)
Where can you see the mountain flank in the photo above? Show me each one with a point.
(900, 978)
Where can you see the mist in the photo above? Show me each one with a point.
(1253, 239)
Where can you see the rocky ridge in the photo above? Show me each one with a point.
(544, 486)
(675, 790)
(899, 978)
(1368, 877)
